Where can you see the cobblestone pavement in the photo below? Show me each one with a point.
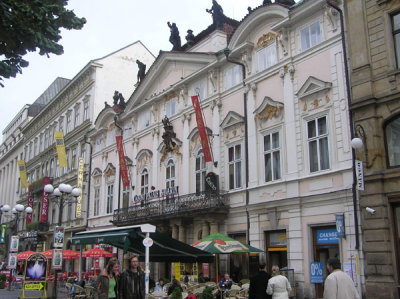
(15, 293)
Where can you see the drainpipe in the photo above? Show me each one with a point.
(119, 176)
(347, 78)
(246, 139)
(85, 137)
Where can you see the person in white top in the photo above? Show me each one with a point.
(278, 286)
(338, 285)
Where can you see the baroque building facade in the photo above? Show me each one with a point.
(272, 90)
(374, 54)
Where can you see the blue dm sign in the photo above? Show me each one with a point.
(340, 226)
(327, 236)
(316, 272)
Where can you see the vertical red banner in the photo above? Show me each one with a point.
(122, 162)
(45, 202)
(29, 204)
(202, 129)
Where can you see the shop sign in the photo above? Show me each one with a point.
(211, 182)
(340, 226)
(36, 268)
(359, 175)
(45, 202)
(316, 272)
(327, 236)
(14, 243)
(157, 194)
(58, 237)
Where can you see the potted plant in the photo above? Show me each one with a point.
(176, 294)
(3, 279)
(207, 293)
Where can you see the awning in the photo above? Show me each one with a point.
(130, 238)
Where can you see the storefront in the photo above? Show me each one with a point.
(276, 245)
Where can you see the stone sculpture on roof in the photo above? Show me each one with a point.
(217, 14)
(174, 38)
(142, 70)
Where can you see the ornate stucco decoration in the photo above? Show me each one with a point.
(233, 126)
(183, 94)
(246, 59)
(265, 39)
(314, 93)
(216, 103)
(289, 68)
(110, 170)
(283, 39)
(194, 139)
(213, 77)
(143, 158)
(268, 110)
(333, 17)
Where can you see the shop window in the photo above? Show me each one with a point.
(266, 57)
(393, 142)
(310, 36)
(276, 247)
(200, 171)
(272, 157)
(235, 166)
(318, 149)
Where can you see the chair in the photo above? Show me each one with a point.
(89, 291)
(68, 286)
(79, 292)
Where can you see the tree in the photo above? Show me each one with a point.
(28, 25)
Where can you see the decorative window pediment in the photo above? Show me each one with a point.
(143, 158)
(312, 87)
(195, 133)
(269, 109)
(110, 170)
(144, 152)
(265, 39)
(161, 146)
(96, 172)
(231, 119)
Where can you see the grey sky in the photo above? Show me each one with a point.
(110, 26)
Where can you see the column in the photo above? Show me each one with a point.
(174, 231)
(155, 165)
(216, 107)
(213, 227)
(135, 152)
(252, 136)
(185, 154)
(204, 229)
(295, 246)
(182, 233)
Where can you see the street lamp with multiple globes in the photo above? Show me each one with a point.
(17, 210)
(4, 209)
(63, 189)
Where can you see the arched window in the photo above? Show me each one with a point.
(200, 170)
(144, 185)
(393, 141)
(170, 174)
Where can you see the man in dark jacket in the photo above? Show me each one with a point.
(132, 285)
(259, 283)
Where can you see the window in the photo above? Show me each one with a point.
(272, 156)
(51, 137)
(61, 125)
(35, 147)
(233, 76)
(111, 137)
(47, 168)
(144, 185)
(396, 36)
(125, 197)
(69, 211)
(235, 167)
(77, 114)
(144, 119)
(41, 143)
(170, 174)
(73, 159)
(85, 110)
(30, 151)
(170, 107)
(393, 142)
(200, 89)
(127, 130)
(68, 128)
(51, 167)
(57, 169)
(83, 154)
(99, 143)
(65, 169)
(110, 193)
(53, 214)
(96, 201)
(266, 57)
(46, 139)
(200, 171)
(318, 144)
(310, 36)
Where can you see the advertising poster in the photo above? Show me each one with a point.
(36, 266)
(58, 237)
(56, 262)
(3, 233)
(12, 260)
(14, 243)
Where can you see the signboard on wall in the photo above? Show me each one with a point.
(316, 272)
(327, 236)
(340, 226)
(211, 182)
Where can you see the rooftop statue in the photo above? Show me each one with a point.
(217, 15)
(190, 38)
(118, 97)
(174, 38)
(142, 70)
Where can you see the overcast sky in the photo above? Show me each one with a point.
(111, 25)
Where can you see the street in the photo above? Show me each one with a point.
(14, 294)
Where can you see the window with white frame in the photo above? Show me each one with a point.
(99, 144)
(144, 119)
(144, 181)
(110, 137)
(125, 197)
(46, 139)
(41, 143)
(310, 36)
(110, 195)
(200, 170)
(170, 107)
(392, 131)
(85, 110)
(272, 157)
(35, 147)
(77, 115)
(200, 89)
(266, 57)
(96, 205)
(69, 213)
(128, 130)
(57, 168)
(170, 174)
(73, 158)
(30, 151)
(235, 166)
(68, 128)
(61, 125)
(51, 167)
(317, 135)
(233, 76)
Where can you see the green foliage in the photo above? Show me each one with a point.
(71, 280)
(3, 277)
(176, 293)
(166, 280)
(32, 226)
(207, 293)
(28, 25)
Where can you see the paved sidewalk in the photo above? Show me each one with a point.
(14, 294)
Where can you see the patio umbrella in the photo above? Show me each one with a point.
(96, 253)
(24, 255)
(221, 244)
(68, 254)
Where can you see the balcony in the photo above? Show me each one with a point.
(178, 206)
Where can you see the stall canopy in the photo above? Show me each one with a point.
(130, 238)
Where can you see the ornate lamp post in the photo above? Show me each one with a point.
(63, 189)
(4, 209)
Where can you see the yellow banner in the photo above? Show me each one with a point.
(80, 182)
(62, 157)
(22, 173)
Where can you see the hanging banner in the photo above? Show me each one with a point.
(58, 237)
(30, 204)
(122, 162)
(80, 182)
(45, 202)
(62, 157)
(12, 260)
(359, 175)
(22, 173)
(57, 259)
(14, 244)
(3, 233)
(202, 129)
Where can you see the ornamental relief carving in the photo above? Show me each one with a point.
(316, 103)
(268, 111)
(234, 133)
(166, 154)
(265, 39)
(143, 161)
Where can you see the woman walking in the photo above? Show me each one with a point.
(278, 285)
(107, 283)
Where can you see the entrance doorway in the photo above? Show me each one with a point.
(276, 244)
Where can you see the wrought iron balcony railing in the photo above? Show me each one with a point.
(189, 204)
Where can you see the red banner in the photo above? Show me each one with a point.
(29, 204)
(122, 162)
(202, 129)
(45, 202)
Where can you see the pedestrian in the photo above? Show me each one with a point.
(132, 285)
(175, 284)
(160, 287)
(338, 285)
(107, 283)
(259, 283)
(224, 285)
(278, 285)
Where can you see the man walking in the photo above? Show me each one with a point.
(132, 285)
(338, 285)
(259, 283)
